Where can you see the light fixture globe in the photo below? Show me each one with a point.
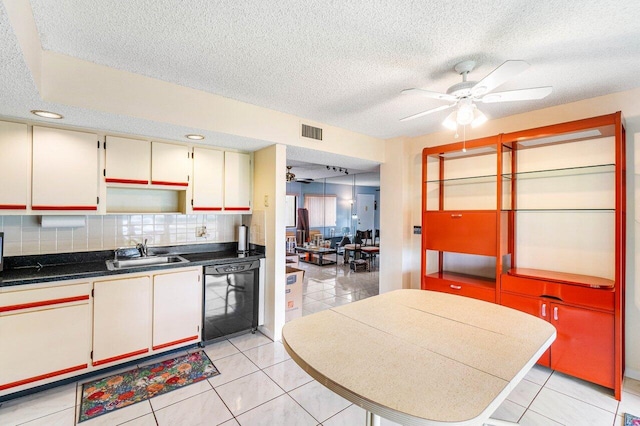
(478, 118)
(450, 122)
(465, 116)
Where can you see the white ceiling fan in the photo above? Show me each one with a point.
(465, 94)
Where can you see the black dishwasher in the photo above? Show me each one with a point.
(231, 298)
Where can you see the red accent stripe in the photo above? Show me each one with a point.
(116, 358)
(176, 342)
(115, 180)
(207, 208)
(64, 207)
(160, 182)
(238, 208)
(43, 376)
(13, 207)
(42, 303)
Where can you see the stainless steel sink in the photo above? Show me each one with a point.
(137, 262)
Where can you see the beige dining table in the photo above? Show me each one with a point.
(419, 357)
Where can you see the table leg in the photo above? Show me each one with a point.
(373, 419)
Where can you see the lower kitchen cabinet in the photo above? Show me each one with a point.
(44, 335)
(53, 331)
(585, 338)
(121, 319)
(177, 308)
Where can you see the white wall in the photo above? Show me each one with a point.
(627, 102)
(269, 191)
(395, 217)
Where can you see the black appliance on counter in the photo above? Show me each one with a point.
(231, 299)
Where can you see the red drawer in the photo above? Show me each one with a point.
(477, 290)
(472, 232)
(597, 298)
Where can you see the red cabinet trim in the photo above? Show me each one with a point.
(137, 181)
(161, 182)
(43, 303)
(13, 207)
(119, 357)
(175, 342)
(42, 376)
(207, 208)
(64, 207)
(238, 208)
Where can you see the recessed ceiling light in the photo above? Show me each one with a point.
(46, 114)
(194, 137)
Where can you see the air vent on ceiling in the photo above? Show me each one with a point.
(311, 132)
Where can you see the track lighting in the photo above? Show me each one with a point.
(338, 169)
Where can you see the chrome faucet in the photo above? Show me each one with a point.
(142, 248)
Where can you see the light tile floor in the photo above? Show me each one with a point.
(261, 385)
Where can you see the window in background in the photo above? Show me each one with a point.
(292, 210)
(322, 210)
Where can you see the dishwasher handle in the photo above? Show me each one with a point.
(231, 268)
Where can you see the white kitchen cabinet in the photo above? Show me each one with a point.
(177, 308)
(170, 164)
(14, 165)
(121, 319)
(237, 181)
(44, 334)
(65, 170)
(127, 160)
(208, 179)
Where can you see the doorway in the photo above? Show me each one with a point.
(365, 212)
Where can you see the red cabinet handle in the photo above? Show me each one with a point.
(455, 287)
(555, 313)
(544, 310)
(456, 216)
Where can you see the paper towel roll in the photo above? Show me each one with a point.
(63, 221)
(242, 239)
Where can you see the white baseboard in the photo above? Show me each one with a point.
(631, 373)
(264, 330)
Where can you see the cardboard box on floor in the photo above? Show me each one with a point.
(292, 259)
(293, 297)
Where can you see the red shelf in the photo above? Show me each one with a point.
(563, 278)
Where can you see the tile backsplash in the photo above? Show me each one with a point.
(25, 236)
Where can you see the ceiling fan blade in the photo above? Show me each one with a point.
(517, 95)
(429, 111)
(430, 94)
(504, 72)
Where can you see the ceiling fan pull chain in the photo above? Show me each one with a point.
(464, 138)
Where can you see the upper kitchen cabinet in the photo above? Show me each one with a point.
(237, 179)
(65, 170)
(146, 177)
(170, 164)
(14, 166)
(127, 161)
(208, 179)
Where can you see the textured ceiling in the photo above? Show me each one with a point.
(340, 63)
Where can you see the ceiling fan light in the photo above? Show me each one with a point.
(290, 176)
(478, 118)
(450, 122)
(465, 114)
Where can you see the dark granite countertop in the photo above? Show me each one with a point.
(21, 270)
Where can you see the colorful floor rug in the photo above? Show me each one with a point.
(120, 390)
(630, 420)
